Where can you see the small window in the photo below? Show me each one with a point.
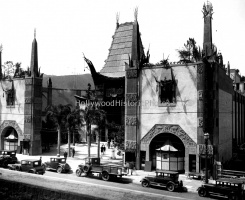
(167, 92)
(36, 163)
(10, 97)
(166, 88)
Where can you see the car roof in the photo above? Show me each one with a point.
(167, 172)
(228, 180)
(58, 157)
(32, 160)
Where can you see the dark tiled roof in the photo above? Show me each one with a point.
(121, 48)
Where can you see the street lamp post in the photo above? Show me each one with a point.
(206, 137)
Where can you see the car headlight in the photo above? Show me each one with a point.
(119, 171)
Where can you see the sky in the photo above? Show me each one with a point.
(65, 29)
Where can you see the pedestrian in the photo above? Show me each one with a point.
(73, 152)
(101, 150)
(112, 144)
(104, 149)
(65, 154)
(108, 144)
(127, 167)
(131, 167)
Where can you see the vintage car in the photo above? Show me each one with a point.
(92, 166)
(28, 165)
(168, 179)
(58, 164)
(226, 187)
(7, 157)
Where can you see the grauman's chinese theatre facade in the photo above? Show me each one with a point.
(168, 106)
(21, 108)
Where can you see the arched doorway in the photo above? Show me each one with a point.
(167, 152)
(9, 138)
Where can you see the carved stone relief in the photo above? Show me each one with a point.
(130, 145)
(131, 97)
(11, 123)
(28, 81)
(200, 68)
(174, 129)
(131, 121)
(28, 100)
(200, 95)
(132, 73)
(200, 122)
(27, 119)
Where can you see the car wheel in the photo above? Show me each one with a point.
(86, 168)
(145, 183)
(59, 170)
(170, 187)
(44, 167)
(202, 192)
(105, 176)
(78, 172)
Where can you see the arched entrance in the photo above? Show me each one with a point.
(9, 138)
(167, 152)
(11, 134)
(170, 130)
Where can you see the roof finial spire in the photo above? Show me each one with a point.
(1, 48)
(117, 18)
(136, 14)
(35, 33)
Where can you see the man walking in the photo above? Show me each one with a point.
(65, 154)
(73, 152)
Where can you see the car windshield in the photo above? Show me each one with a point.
(36, 163)
(63, 160)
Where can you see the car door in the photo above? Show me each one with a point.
(55, 163)
(24, 165)
(159, 179)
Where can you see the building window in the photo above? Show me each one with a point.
(167, 92)
(10, 97)
(167, 88)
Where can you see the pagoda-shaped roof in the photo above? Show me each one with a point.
(125, 40)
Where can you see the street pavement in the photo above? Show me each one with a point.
(81, 151)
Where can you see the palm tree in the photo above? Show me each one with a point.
(73, 120)
(92, 115)
(58, 114)
(100, 116)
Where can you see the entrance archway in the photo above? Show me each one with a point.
(174, 129)
(167, 152)
(8, 126)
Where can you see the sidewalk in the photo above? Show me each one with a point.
(82, 151)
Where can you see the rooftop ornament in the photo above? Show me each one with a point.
(136, 14)
(207, 10)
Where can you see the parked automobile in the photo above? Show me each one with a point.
(226, 187)
(58, 164)
(168, 179)
(92, 165)
(7, 157)
(28, 165)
